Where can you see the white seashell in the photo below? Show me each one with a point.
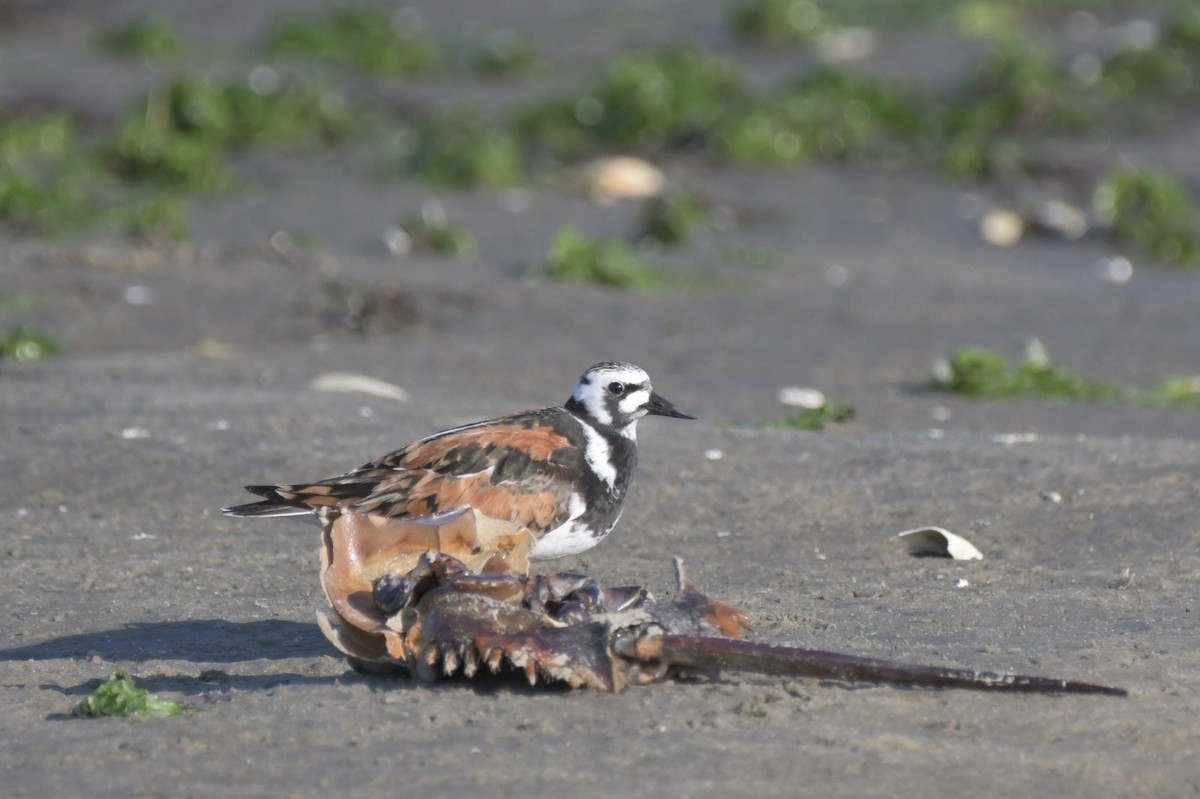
(938, 541)
(808, 398)
(622, 177)
(1117, 269)
(349, 382)
(139, 295)
(846, 45)
(1001, 227)
(1015, 438)
(1062, 218)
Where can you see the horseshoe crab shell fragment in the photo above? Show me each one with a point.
(939, 541)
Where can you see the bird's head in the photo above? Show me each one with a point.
(616, 395)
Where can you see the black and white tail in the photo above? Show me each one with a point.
(273, 505)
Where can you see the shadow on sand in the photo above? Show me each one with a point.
(227, 642)
(199, 641)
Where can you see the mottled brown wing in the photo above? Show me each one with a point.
(539, 499)
(536, 435)
(518, 469)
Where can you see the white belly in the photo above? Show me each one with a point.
(569, 538)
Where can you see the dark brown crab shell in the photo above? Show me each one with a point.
(453, 628)
(479, 612)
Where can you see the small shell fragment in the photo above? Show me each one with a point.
(846, 45)
(212, 349)
(939, 541)
(808, 398)
(350, 382)
(1001, 227)
(1117, 269)
(1015, 438)
(622, 177)
(1062, 218)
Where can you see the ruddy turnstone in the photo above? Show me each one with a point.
(561, 473)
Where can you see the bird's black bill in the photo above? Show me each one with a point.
(657, 406)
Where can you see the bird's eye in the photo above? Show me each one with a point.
(616, 389)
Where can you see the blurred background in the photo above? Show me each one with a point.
(871, 201)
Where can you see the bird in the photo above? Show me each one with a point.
(561, 473)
